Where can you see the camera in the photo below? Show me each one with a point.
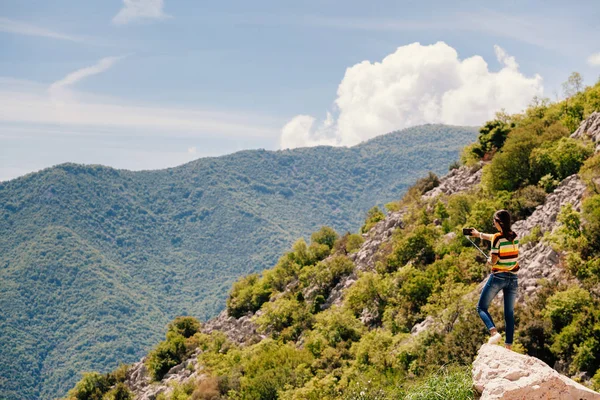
(467, 231)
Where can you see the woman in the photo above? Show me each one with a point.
(504, 260)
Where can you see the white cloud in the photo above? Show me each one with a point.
(504, 58)
(594, 60)
(139, 9)
(415, 85)
(22, 28)
(82, 73)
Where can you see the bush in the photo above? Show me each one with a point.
(492, 136)
(348, 244)
(562, 306)
(325, 235)
(119, 392)
(207, 389)
(323, 276)
(285, 318)
(591, 229)
(247, 295)
(92, 386)
(370, 293)
(166, 355)
(338, 327)
(184, 326)
(374, 215)
(590, 173)
(416, 246)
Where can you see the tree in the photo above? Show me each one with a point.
(573, 85)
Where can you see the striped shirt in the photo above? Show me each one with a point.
(507, 252)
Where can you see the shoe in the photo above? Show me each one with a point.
(495, 338)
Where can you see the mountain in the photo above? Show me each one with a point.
(391, 313)
(95, 261)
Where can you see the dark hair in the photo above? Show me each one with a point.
(502, 217)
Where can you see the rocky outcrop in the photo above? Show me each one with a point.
(239, 330)
(570, 190)
(457, 180)
(365, 258)
(590, 128)
(537, 259)
(139, 382)
(499, 373)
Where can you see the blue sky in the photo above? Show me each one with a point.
(149, 84)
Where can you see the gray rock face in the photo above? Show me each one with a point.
(238, 330)
(364, 259)
(142, 387)
(499, 373)
(590, 128)
(457, 180)
(538, 260)
(570, 190)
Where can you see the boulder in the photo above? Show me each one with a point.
(499, 373)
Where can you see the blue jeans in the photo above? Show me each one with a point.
(506, 282)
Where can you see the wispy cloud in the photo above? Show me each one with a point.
(22, 28)
(594, 60)
(83, 73)
(534, 30)
(140, 9)
(31, 104)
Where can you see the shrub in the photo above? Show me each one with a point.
(92, 386)
(119, 392)
(207, 389)
(416, 246)
(374, 215)
(166, 355)
(548, 183)
(509, 168)
(370, 293)
(562, 306)
(185, 326)
(325, 235)
(591, 216)
(459, 207)
(590, 173)
(524, 201)
(247, 295)
(323, 276)
(348, 244)
(285, 318)
(492, 136)
(338, 327)
(471, 154)
(374, 350)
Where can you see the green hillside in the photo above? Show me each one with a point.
(363, 348)
(95, 261)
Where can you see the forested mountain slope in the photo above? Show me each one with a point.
(95, 261)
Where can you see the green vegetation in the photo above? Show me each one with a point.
(95, 386)
(178, 344)
(96, 261)
(362, 349)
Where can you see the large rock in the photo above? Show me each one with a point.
(457, 180)
(590, 128)
(499, 373)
